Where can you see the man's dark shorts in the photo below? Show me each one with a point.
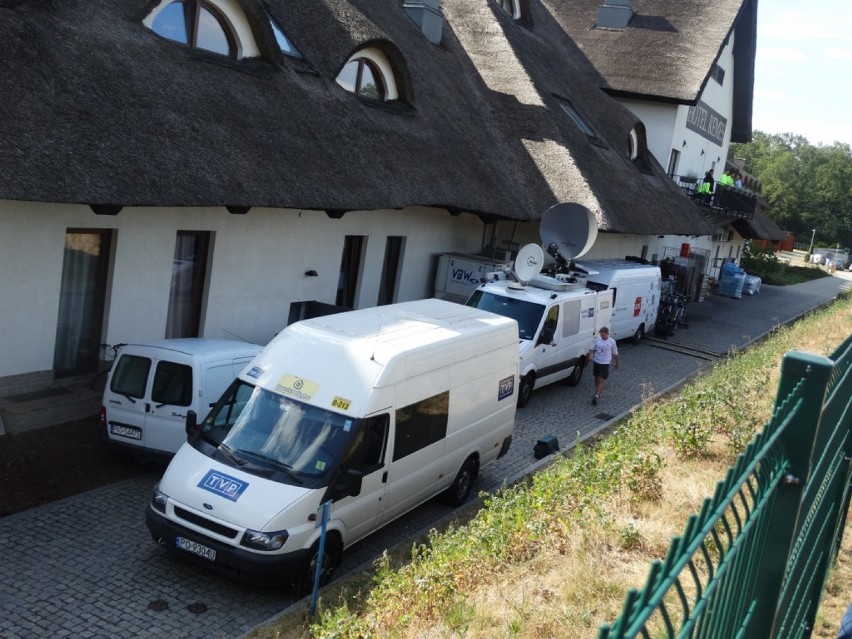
(600, 370)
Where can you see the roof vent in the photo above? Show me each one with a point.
(427, 15)
(614, 14)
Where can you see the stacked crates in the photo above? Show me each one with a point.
(731, 280)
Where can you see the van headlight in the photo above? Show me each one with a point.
(268, 541)
(159, 499)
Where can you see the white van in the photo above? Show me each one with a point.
(376, 410)
(557, 322)
(152, 385)
(635, 291)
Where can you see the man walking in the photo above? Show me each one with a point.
(603, 351)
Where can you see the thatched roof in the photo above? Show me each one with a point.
(668, 48)
(97, 109)
(761, 226)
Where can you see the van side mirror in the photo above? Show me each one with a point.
(348, 484)
(546, 336)
(191, 423)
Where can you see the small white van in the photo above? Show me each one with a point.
(557, 321)
(375, 410)
(635, 291)
(152, 385)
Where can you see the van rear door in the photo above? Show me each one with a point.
(172, 389)
(126, 397)
(149, 393)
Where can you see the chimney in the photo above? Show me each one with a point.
(427, 15)
(614, 14)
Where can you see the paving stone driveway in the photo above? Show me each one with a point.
(86, 567)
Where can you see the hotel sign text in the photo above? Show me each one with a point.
(706, 123)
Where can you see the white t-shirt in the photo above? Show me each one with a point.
(604, 350)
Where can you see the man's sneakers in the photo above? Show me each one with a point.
(595, 400)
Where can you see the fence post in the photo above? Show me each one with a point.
(796, 443)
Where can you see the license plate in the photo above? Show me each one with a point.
(131, 432)
(195, 548)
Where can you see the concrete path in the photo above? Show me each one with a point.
(85, 566)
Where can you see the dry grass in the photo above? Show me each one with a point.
(577, 578)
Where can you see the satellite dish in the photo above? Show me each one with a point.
(568, 230)
(528, 263)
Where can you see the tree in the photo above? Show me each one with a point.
(807, 187)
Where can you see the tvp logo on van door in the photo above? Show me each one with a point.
(506, 388)
(223, 485)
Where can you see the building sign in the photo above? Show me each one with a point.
(706, 123)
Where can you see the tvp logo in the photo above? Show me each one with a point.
(506, 388)
(223, 485)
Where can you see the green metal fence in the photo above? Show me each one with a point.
(753, 562)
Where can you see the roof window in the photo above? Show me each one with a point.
(511, 8)
(283, 41)
(368, 74)
(577, 118)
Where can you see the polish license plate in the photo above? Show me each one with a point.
(131, 432)
(195, 548)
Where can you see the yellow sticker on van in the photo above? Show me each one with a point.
(297, 387)
(341, 403)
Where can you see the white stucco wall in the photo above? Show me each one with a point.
(257, 267)
(659, 120)
(665, 125)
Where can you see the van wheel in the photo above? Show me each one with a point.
(639, 334)
(525, 389)
(459, 490)
(576, 375)
(330, 560)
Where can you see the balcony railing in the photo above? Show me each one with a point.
(726, 201)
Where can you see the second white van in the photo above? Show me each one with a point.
(152, 385)
(635, 294)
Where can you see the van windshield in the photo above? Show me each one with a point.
(258, 430)
(527, 314)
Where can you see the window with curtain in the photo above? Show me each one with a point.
(82, 296)
(186, 291)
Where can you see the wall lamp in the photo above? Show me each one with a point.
(106, 209)
(311, 273)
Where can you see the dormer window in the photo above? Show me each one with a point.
(197, 24)
(368, 74)
(633, 144)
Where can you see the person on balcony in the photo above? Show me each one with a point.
(704, 193)
(727, 179)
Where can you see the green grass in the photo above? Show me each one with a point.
(771, 270)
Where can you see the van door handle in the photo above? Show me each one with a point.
(385, 477)
(147, 407)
